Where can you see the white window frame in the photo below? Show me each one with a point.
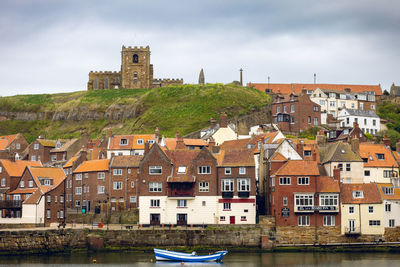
(123, 142)
(78, 177)
(228, 171)
(303, 180)
(3, 182)
(36, 146)
(154, 203)
(78, 190)
(328, 200)
(285, 180)
(204, 187)
(204, 170)
(117, 172)
(351, 209)
(155, 187)
(101, 175)
(181, 203)
(392, 223)
(358, 194)
(117, 185)
(227, 206)
(242, 170)
(227, 185)
(370, 209)
(155, 170)
(243, 185)
(329, 220)
(303, 220)
(181, 169)
(101, 189)
(140, 142)
(132, 199)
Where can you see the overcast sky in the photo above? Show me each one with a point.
(50, 46)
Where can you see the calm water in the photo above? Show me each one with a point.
(233, 259)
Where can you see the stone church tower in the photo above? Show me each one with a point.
(136, 70)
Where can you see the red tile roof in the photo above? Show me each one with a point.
(70, 162)
(115, 141)
(370, 192)
(182, 158)
(298, 167)
(287, 88)
(16, 168)
(369, 151)
(396, 192)
(57, 174)
(170, 143)
(34, 198)
(232, 158)
(93, 166)
(326, 184)
(278, 157)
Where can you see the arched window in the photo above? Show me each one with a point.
(96, 83)
(135, 58)
(106, 83)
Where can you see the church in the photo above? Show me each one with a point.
(136, 73)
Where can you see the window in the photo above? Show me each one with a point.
(132, 184)
(54, 157)
(155, 169)
(222, 218)
(77, 203)
(129, 171)
(361, 105)
(315, 108)
(48, 214)
(374, 122)
(181, 203)
(332, 103)
(55, 199)
(304, 220)
(380, 156)
(374, 222)
(155, 187)
(135, 58)
(121, 200)
(329, 220)
(132, 199)
(322, 102)
(242, 170)
(304, 200)
(388, 207)
(106, 83)
(292, 119)
(292, 108)
(358, 194)
(387, 174)
(100, 189)
(203, 203)
(244, 185)
(328, 200)
(96, 83)
(117, 172)
(285, 201)
(227, 206)
(181, 169)
(342, 104)
(150, 141)
(284, 180)
(204, 170)
(278, 109)
(284, 109)
(203, 187)
(3, 182)
(348, 167)
(33, 158)
(388, 190)
(117, 185)
(370, 209)
(30, 183)
(227, 185)
(309, 119)
(101, 175)
(391, 223)
(49, 199)
(61, 214)
(303, 180)
(78, 191)
(307, 153)
(228, 171)
(18, 146)
(340, 166)
(351, 209)
(22, 184)
(78, 176)
(86, 175)
(140, 141)
(155, 203)
(243, 218)
(367, 173)
(315, 121)
(36, 146)
(61, 199)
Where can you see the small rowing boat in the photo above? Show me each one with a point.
(166, 255)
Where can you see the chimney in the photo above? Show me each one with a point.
(355, 145)
(110, 133)
(398, 147)
(41, 136)
(157, 134)
(321, 138)
(304, 91)
(179, 141)
(211, 143)
(355, 125)
(213, 123)
(84, 154)
(223, 120)
(386, 140)
(336, 174)
(146, 147)
(348, 90)
(12, 157)
(299, 148)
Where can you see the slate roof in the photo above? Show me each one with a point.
(298, 167)
(338, 152)
(65, 146)
(362, 113)
(370, 192)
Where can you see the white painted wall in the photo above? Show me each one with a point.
(355, 175)
(224, 134)
(394, 213)
(376, 175)
(31, 214)
(237, 210)
(362, 215)
(288, 151)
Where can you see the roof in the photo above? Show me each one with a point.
(299, 167)
(3, 144)
(46, 142)
(93, 166)
(238, 158)
(278, 157)
(16, 168)
(235, 144)
(23, 191)
(338, 152)
(298, 87)
(6, 140)
(115, 141)
(327, 184)
(396, 192)
(34, 198)
(65, 146)
(145, 137)
(170, 143)
(397, 156)
(370, 192)
(126, 161)
(70, 162)
(370, 151)
(182, 158)
(57, 174)
(362, 113)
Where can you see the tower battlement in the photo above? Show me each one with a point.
(135, 48)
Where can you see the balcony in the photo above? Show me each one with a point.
(352, 230)
(227, 194)
(181, 193)
(10, 204)
(181, 190)
(244, 194)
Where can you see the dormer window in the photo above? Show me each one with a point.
(123, 142)
(388, 190)
(307, 153)
(140, 142)
(150, 141)
(380, 156)
(358, 194)
(228, 171)
(58, 145)
(181, 169)
(46, 181)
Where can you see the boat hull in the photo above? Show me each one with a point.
(165, 255)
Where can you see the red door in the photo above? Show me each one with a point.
(232, 219)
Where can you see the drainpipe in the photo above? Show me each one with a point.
(126, 188)
(315, 216)
(359, 215)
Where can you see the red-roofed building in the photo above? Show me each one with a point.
(12, 146)
(119, 145)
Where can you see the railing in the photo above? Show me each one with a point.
(10, 204)
(180, 193)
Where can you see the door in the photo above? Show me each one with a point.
(88, 205)
(154, 219)
(232, 219)
(181, 219)
(352, 226)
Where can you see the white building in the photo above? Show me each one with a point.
(391, 202)
(367, 120)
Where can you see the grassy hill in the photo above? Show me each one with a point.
(184, 108)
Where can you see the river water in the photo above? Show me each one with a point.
(232, 260)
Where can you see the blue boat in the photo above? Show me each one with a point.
(166, 255)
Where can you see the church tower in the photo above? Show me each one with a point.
(136, 70)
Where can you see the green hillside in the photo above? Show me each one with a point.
(185, 108)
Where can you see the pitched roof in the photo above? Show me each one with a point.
(57, 174)
(115, 141)
(362, 113)
(327, 184)
(278, 157)
(396, 192)
(70, 162)
(237, 158)
(238, 144)
(298, 87)
(370, 193)
(34, 198)
(126, 161)
(3, 144)
(170, 143)
(23, 191)
(93, 165)
(46, 142)
(182, 158)
(66, 145)
(338, 152)
(16, 168)
(370, 151)
(298, 167)
(145, 137)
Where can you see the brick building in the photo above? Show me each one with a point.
(12, 146)
(295, 113)
(69, 168)
(136, 72)
(39, 150)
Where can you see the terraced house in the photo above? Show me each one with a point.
(12, 146)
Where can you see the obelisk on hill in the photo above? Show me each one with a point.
(201, 77)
